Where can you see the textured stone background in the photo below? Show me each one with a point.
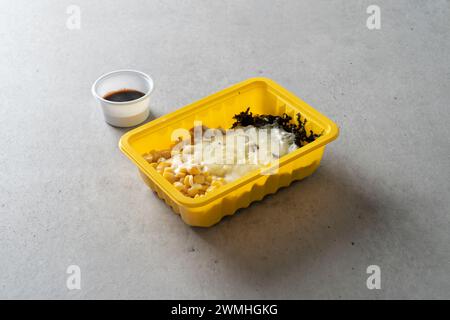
(381, 195)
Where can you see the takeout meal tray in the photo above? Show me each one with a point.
(263, 96)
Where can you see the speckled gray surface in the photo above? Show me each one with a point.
(381, 196)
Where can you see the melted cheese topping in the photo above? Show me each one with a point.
(235, 153)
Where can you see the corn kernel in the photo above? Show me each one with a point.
(192, 192)
(178, 185)
(166, 153)
(168, 169)
(156, 155)
(194, 170)
(180, 176)
(183, 170)
(197, 186)
(148, 158)
(164, 163)
(199, 178)
(169, 176)
(189, 180)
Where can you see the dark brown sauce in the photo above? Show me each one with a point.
(123, 95)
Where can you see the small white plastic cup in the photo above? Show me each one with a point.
(128, 113)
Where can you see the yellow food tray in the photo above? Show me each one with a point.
(263, 96)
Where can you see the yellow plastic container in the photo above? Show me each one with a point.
(263, 96)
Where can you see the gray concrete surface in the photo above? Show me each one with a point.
(381, 196)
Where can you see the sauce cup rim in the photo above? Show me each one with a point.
(136, 72)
